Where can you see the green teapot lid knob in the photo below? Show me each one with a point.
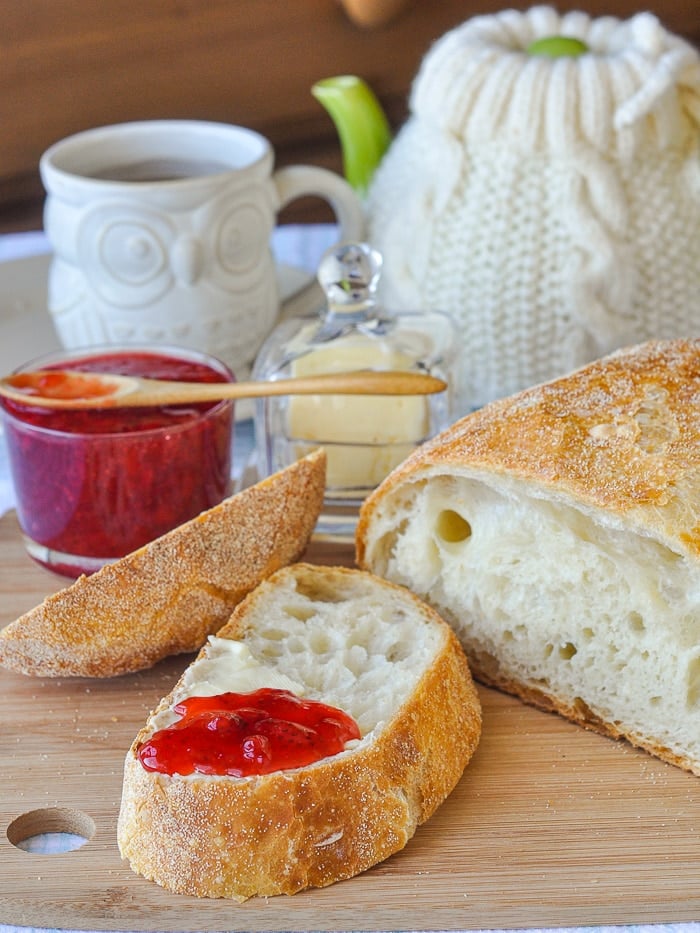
(557, 47)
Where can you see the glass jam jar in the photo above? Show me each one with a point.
(94, 485)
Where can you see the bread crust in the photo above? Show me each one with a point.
(618, 436)
(311, 826)
(580, 713)
(169, 595)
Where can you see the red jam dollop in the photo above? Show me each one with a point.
(97, 484)
(61, 385)
(240, 734)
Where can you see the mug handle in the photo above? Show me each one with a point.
(295, 181)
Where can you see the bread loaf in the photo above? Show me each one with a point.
(166, 597)
(344, 638)
(558, 531)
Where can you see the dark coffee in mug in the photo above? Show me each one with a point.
(160, 170)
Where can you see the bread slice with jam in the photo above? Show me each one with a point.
(237, 814)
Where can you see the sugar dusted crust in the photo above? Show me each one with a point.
(168, 596)
(312, 826)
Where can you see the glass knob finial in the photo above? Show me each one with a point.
(349, 275)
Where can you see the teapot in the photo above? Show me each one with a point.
(544, 189)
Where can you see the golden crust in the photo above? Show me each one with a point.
(581, 714)
(619, 435)
(312, 826)
(166, 597)
(577, 712)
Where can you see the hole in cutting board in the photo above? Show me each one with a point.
(51, 831)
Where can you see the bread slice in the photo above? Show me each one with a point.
(349, 640)
(166, 597)
(558, 531)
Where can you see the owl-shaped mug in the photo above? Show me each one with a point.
(160, 232)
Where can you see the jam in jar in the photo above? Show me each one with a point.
(94, 485)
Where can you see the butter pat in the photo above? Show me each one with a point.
(364, 437)
(226, 666)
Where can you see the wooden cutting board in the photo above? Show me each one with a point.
(550, 825)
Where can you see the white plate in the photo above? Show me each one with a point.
(26, 328)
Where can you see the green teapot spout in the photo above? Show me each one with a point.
(362, 126)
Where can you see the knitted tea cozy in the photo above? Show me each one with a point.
(552, 205)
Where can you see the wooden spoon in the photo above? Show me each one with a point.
(67, 388)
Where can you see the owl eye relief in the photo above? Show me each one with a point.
(126, 254)
(242, 229)
(132, 253)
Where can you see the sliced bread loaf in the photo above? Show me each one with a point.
(558, 531)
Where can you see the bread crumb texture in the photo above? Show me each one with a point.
(166, 597)
(358, 643)
(559, 532)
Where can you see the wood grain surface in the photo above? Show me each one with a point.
(550, 825)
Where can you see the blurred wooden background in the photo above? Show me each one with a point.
(66, 65)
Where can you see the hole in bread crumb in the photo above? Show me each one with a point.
(51, 831)
(636, 622)
(548, 649)
(588, 633)
(302, 613)
(320, 643)
(567, 651)
(271, 650)
(693, 681)
(398, 652)
(273, 634)
(321, 590)
(452, 527)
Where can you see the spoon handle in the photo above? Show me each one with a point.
(133, 391)
(368, 382)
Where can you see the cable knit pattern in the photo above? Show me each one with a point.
(551, 205)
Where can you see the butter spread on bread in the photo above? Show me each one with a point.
(226, 662)
(169, 595)
(361, 645)
(558, 531)
(224, 665)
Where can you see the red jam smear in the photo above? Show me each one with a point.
(241, 734)
(101, 483)
(60, 385)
